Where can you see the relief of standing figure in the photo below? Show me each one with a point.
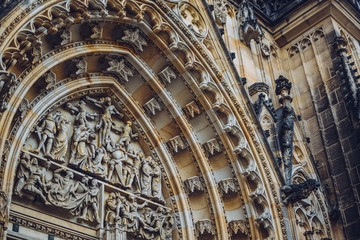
(106, 123)
(61, 141)
(46, 133)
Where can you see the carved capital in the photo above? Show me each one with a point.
(167, 75)
(238, 227)
(192, 109)
(176, 144)
(119, 68)
(204, 228)
(134, 37)
(193, 185)
(212, 147)
(227, 187)
(153, 106)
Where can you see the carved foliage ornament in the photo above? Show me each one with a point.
(220, 11)
(193, 185)
(204, 228)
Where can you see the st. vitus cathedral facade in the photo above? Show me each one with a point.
(179, 119)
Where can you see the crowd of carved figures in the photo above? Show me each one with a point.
(102, 145)
(80, 198)
(138, 219)
(94, 143)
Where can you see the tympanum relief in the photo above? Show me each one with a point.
(82, 151)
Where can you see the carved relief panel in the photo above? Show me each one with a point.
(84, 161)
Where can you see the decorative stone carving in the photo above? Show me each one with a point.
(348, 79)
(258, 87)
(193, 185)
(76, 66)
(106, 124)
(60, 146)
(212, 147)
(23, 108)
(238, 227)
(262, 101)
(90, 31)
(286, 125)
(138, 220)
(249, 26)
(204, 228)
(46, 133)
(4, 204)
(220, 11)
(192, 109)
(101, 145)
(100, 5)
(36, 52)
(8, 83)
(264, 220)
(176, 143)
(119, 68)
(227, 187)
(65, 37)
(167, 75)
(79, 198)
(153, 106)
(295, 192)
(193, 19)
(134, 37)
(50, 79)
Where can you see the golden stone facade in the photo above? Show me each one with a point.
(174, 119)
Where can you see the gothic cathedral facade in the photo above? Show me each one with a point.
(180, 119)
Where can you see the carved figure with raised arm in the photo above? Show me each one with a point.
(106, 123)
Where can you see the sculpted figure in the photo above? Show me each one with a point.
(112, 209)
(79, 155)
(53, 189)
(106, 123)
(287, 140)
(91, 202)
(132, 213)
(61, 142)
(117, 156)
(35, 184)
(127, 170)
(67, 187)
(82, 114)
(99, 163)
(145, 177)
(167, 225)
(156, 181)
(46, 133)
(146, 230)
(23, 173)
(127, 135)
(134, 178)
